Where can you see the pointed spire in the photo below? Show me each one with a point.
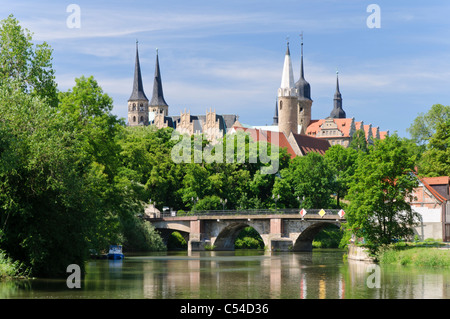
(158, 96)
(287, 79)
(302, 86)
(337, 94)
(138, 87)
(275, 117)
(302, 75)
(337, 112)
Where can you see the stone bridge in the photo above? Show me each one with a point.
(281, 230)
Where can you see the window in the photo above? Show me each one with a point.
(134, 106)
(134, 118)
(281, 105)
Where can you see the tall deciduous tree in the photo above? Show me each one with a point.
(425, 125)
(436, 159)
(383, 182)
(25, 63)
(342, 162)
(359, 141)
(312, 179)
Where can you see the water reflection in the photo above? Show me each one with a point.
(322, 274)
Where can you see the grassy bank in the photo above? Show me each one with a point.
(416, 256)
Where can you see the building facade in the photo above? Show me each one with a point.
(432, 202)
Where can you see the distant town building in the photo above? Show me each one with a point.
(432, 202)
(337, 128)
(142, 112)
(292, 116)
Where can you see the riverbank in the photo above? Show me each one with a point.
(8, 268)
(416, 256)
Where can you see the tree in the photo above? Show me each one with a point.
(342, 162)
(383, 182)
(312, 180)
(425, 125)
(49, 203)
(359, 141)
(25, 63)
(436, 159)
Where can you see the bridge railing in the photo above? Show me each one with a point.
(309, 212)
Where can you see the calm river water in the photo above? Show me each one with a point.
(240, 274)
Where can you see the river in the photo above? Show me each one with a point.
(241, 274)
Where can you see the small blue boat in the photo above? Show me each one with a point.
(115, 252)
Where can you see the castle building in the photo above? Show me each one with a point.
(337, 128)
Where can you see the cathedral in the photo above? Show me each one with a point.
(142, 112)
(293, 126)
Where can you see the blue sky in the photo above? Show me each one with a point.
(228, 55)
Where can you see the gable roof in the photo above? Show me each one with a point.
(308, 144)
(425, 183)
(275, 138)
(343, 125)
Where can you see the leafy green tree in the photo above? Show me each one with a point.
(425, 125)
(89, 110)
(312, 179)
(342, 162)
(50, 195)
(436, 159)
(209, 203)
(382, 184)
(27, 64)
(359, 141)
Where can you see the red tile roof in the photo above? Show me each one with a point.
(276, 138)
(431, 189)
(441, 180)
(305, 143)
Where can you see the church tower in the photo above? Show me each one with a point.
(337, 112)
(304, 98)
(138, 102)
(287, 99)
(157, 104)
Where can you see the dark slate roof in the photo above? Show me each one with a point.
(303, 87)
(229, 119)
(170, 122)
(275, 117)
(309, 144)
(158, 96)
(138, 87)
(198, 121)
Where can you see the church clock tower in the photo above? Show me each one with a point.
(138, 102)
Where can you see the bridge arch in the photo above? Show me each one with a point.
(227, 236)
(306, 237)
(168, 229)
